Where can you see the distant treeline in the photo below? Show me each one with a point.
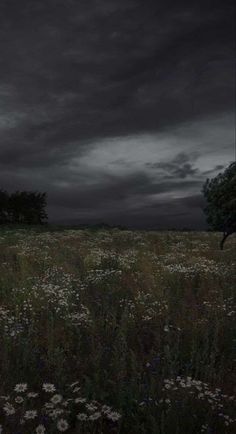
(22, 207)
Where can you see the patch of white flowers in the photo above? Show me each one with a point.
(226, 306)
(201, 265)
(54, 408)
(200, 391)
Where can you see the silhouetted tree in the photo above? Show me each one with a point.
(220, 193)
(23, 207)
(4, 198)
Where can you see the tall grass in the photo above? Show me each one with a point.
(116, 331)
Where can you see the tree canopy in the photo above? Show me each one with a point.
(22, 207)
(220, 194)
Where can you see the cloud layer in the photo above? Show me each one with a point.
(118, 109)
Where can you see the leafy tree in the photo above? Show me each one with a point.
(23, 207)
(220, 194)
(4, 198)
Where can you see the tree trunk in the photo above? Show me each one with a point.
(225, 236)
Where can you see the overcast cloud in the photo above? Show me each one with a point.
(119, 109)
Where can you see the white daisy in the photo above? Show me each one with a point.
(95, 415)
(19, 399)
(30, 414)
(9, 409)
(55, 413)
(48, 405)
(80, 400)
(21, 387)
(114, 416)
(32, 395)
(48, 387)
(62, 425)
(91, 407)
(74, 384)
(106, 409)
(56, 399)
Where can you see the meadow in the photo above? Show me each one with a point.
(111, 331)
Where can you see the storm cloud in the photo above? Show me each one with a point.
(119, 109)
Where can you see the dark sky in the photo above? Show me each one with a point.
(119, 109)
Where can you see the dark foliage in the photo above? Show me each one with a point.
(22, 207)
(4, 200)
(220, 193)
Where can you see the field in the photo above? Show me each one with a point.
(112, 331)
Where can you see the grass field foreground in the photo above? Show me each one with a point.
(113, 331)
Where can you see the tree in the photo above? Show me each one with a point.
(23, 207)
(4, 198)
(220, 194)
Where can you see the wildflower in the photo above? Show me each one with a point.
(48, 405)
(76, 389)
(114, 416)
(95, 415)
(56, 412)
(48, 387)
(80, 400)
(106, 409)
(91, 407)
(32, 395)
(30, 414)
(19, 399)
(82, 416)
(62, 425)
(40, 429)
(21, 387)
(56, 399)
(74, 384)
(9, 409)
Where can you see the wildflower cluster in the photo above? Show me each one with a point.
(184, 388)
(46, 409)
(144, 306)
(10, 324)
(226, 306)
(121, 311)
(202, 266)
(101, 275)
